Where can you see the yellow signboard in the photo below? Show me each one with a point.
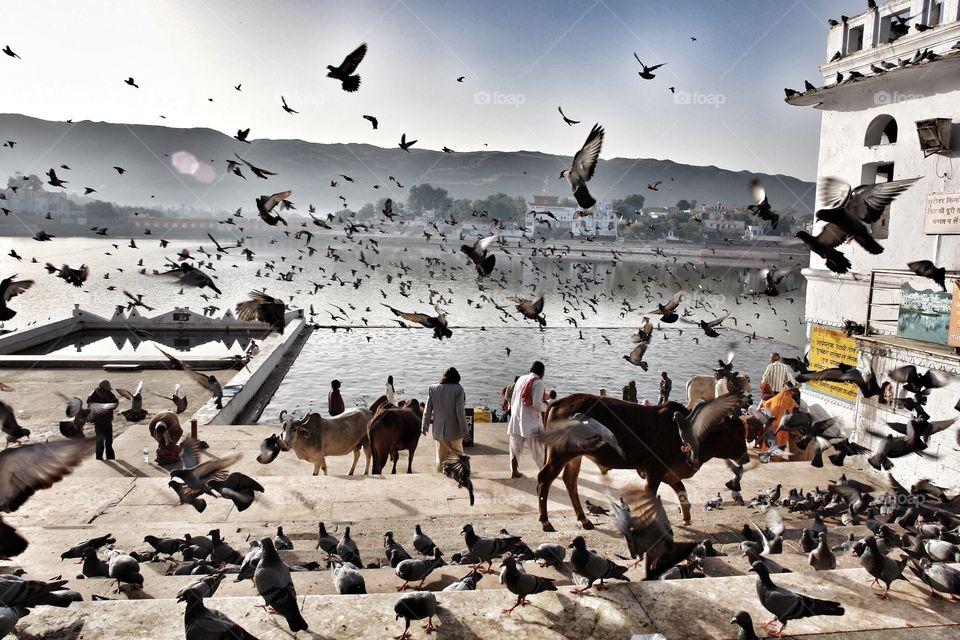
(829, 347)
(953, 334)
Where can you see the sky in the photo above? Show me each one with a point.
(521, 60)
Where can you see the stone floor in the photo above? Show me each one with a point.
(129, 499)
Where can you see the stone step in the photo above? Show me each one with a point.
(676, 609)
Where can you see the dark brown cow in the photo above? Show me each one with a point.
(393, 429)
(651, 440)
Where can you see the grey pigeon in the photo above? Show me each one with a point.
(411, 570)
(415, 606)
(326, 542)
(644, 524)
(593, 567)
(205, 587)
(745, 626)
(239, 488)
(821, 558)
(281, 541)
(596, 509)
(584, 164)
(124, 569)
(787, 605)
(702, 422)
(394, 551)
(486, 549)
(347, 579)
(882, 568)
(250, 562)
(273, 582)
(77, 550)
(347, 549)
(466, 583)
(522, 584)
(200, 623)
(771, 565)
(938, 576)
(422, 542)
(16, 591)
(807, 543)
(580, 434)
(550, 555)
(222, 552)
(196, 474)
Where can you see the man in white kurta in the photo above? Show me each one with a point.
(527, 405)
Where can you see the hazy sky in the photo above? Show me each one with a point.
(521, 60)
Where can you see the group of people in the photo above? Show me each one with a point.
(666, 386)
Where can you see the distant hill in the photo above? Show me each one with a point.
(92, 149)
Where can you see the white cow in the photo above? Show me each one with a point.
(314, 437)
(701, 388)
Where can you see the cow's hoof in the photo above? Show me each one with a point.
(547, 527)
(586, 524)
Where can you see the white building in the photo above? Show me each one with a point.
(602, 222)
(890, 125)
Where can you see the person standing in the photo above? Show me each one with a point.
(526, 420)
(630, 391)
(445, 409)
(389, 391)
(775, 377)
(720, 387)
(334, 399)
(103, 420)
(666, 386)
(505, 396)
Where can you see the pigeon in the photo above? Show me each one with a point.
(596, 509)
(205, 587)
(195, 474)
(643, 522)
(438, 323)
(394, 550)
(405, 144)
(273, 583)
(136, 412)
(190, 276)
(822, 558)
(584, 164)
(761, 206)
(281, 542)
(200, 623)
(787, 605)
(705, 419)
(566, 119)
(486, 549)
(593, 567)
(326, 542)
(28, 468)
(68, 274)
(250, 562)
(221, 551)
(208, 382)
(422, 542)
(9, 287)
(853, 209)
(373, 121)
(9, 425)
(77, 550)
(522, 584)
(635, 357)
(457, 467)
(647, 74)
(532, 309)
(124, 569)
(345, 72)
(745, 623)
(927, 269)
(411, 570)
(179, 401)
(938, 576)
(825, 244)
(266, 204)
(263, 308)
(882, 568)
(347, 549)
(579, 434)
(347, 579)
(550, 555)
(668, 310)
(482, 262)
(466, 583)
(415, 606)
(269, 449)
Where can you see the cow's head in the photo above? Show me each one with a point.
(726, 442)
(290, 427)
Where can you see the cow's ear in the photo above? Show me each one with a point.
(303, 430)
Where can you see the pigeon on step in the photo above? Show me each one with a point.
(522, 584)
(415, 606)
(466, 583)
(410, 570)
(200, 623)
(593, 567)
(787, 605)
(347, 579)
(273, 582)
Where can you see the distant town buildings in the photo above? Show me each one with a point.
(547, 211)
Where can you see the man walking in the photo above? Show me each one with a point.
(775, 377)
(666, 386)
(103, 419)
(445, 409)
(526, 419)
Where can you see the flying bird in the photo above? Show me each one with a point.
(647, 74)
(263, 308)
(373, 120)
(566, 119)
(584, 164)
(437, 323)
(761, 205)
(286, 107)
(482, 261)
(345, 72)
(266, 204)
(8, 289)
(852, 209)
(406, 145)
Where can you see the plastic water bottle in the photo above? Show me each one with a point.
(146, 454)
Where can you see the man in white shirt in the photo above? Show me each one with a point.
(527, 404)
(720, 387)
(777, 375)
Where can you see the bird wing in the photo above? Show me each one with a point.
(10, 287)
(757, 192)
(216, 469)
(832, 235)
(775, 521)
(275, 199)
(537, 305)
(483, 245)
(648, 523)
(189, 453)
(902, 374)
(638, 352)
(707, 416)
(674, 301)
(248, 310)
(199, 378)
(31, 467)
(126, 394)
(419, 318)
(585, 162)
(580, 433)
(878, 196)
(717, 321)
(353, 60)
(834, 193)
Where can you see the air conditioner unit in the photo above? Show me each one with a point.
(934, 135)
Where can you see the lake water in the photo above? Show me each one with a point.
(344, 283)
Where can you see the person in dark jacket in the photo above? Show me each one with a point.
(334, 399)
(103, 422)
(666, 386)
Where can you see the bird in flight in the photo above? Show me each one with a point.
(584, 164)
(132, 83)
(566, 119)
(345, 72)
(373, 120)
(647, 73)
(406, 145)
(286, 107)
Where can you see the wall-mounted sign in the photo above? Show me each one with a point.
(942, 214)
(924, 314)
(829, 347)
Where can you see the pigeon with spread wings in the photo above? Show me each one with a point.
(579, 434)
(761, 205)
(196, 475)
(8, 289)
(825, 244)
(705, 419)
(668, 310)
(345, 72)
(438, 323)
(266, 204)
(208, 382)
(584, 164)
(263, 308)
(853, 209)
(531, 309)
(636, 356)
(483, 261)
(644, 524)
(26, 469)
(190, 276)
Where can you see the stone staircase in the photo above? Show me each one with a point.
(129, 499)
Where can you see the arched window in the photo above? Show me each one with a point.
(883, 130)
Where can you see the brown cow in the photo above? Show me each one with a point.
(393, 429)
(651, 440)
